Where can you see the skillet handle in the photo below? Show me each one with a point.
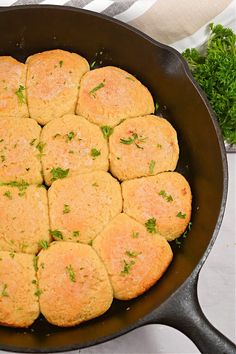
(183, 312)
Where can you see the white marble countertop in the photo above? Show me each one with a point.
(216, 289)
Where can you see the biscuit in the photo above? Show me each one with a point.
(161, 202)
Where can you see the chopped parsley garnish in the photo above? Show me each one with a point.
(56, 234)
(134, 139)
(34, 281)
(159, 146)
(214, 70)
(151, 225)
(4, 291)
(132, 254)
(21, 186)
(40, 146)
(95, 184)
(44, 244)
(3, 158)
(76, 233)
(156, 106)
(95, 153)
(61, 63)
(12, 254)
(70, 136)
(152, 167)
(58, 173)
(181, 215)
(32, 141)
(66, 209)
(93, 64)
(165, 196)
(96, 88)
(38, 292)
(178, 242)
(129, 78)
(127, 267)
(106, 131)
(20, 94)
(71, 273)
(187, 229)
(135, 234)
(23, 246)
(8, 194)
(35, 263)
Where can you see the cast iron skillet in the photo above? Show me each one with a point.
(173, 301)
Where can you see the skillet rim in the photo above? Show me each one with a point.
(146, 319)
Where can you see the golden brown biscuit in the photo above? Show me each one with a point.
(77, 289)
(134, 259)
(81, 206)
(161, 202)
(110, 94)
(19, 306)
(52, 83)
(12, 88)
(23, 217)
(73, 143)
(143, 146)
(20, 150)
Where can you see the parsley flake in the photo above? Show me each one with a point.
(70, 136)
(152, 167)
(4, 291)
(61, 63)
(32, 141)
(35, 263)
(106, 131)
(66, 209)
(38, 292)
(56, 234)
(40, 146)
(135, 234)
(95, 153)
(71, 273)
(8, 194)
(151, 225)
(181, 215)
(132, 254)
(76, 233)
(165, 196)
(96, 88)
(44, 244)
(134, 139)
(92, 65)
(20, 94)
(58, 173)
(127, 267)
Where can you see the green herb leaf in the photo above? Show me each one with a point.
(216, 74)
(106, 131)
(151, 225)
(181, 215)
(56, 234)
(32, 141)
(95, 153)
(22, 186)
(132, 254)
(61, 63)
(130, 78)
(40, 146)
(187, 230)
(38, 292)
(127, 267)
(4, 291)
(44, 244)
(66, 209)
(70, 136)
(134, 139)
(165, 196)
(58, 173)
(3, 158)
(12, 254)
(35, 263)
(95, 89)
(156, 107)
(76, 233)
(135, 234)
(93, 64)
(8, 194)
(71, 273)
(152, 167)
(20, 94)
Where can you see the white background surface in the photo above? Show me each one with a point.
(216, 291)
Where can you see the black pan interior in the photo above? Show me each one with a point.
(25, 31)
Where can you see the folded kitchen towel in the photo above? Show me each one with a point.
(179, 23)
